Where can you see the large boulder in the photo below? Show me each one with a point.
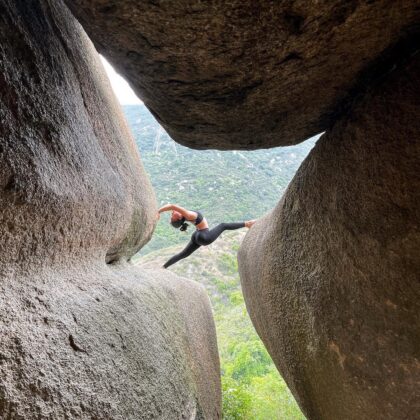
(80, 338)
(89, 342)
(331, 275)
(72, 183)
(248, 74)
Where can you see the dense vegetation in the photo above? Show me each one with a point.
(226, 186)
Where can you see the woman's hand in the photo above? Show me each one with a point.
(157, 216)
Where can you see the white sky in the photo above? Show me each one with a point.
(122, 90)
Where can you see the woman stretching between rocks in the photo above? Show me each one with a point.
(202, 236)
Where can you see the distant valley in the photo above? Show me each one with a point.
(224, 185)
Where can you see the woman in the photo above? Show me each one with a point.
(202, 236)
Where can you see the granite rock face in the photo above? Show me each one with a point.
(247, 74)
(331, 275)
(71, 179)
(81, 338)
(107, 343)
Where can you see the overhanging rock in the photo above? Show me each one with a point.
(248, 74)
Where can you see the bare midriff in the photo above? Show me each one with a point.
(202, 225)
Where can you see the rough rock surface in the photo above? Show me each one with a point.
(68, 159)
(80, 338)
(107, 344)
(246, 74)
(331, 275)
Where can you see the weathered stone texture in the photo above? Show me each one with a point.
(71, 179)
(107, 344)
(245, 74)
(331, 275)
(80, 338)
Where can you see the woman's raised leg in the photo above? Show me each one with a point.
(206, 238)
(188, 250)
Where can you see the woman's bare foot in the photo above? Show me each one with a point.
(249, 223)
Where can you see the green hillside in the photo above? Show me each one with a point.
(225, 186)
(252, 387)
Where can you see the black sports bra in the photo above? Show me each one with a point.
(199, 218)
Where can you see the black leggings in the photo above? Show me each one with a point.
(203, 237)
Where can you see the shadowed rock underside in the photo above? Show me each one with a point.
(248, 74)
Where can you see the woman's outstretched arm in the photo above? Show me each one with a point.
(189, 215)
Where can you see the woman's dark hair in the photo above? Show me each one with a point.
(181, 224)
(183, 227)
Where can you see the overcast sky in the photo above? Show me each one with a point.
(124, 93)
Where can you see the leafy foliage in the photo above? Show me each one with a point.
(251, 385)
